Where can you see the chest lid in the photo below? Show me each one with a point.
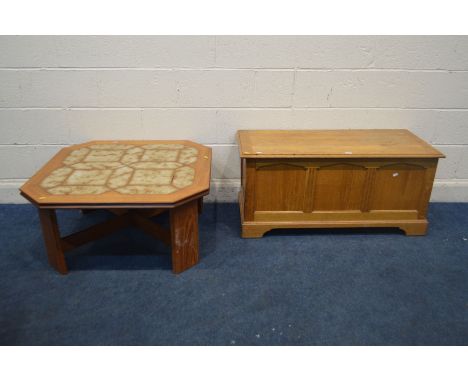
(381, 143)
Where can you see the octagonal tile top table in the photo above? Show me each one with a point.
(122, 172)
(135, 180)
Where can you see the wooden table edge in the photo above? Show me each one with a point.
(114, 205)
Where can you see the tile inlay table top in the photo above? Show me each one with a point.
(121, 176)
(121, 172)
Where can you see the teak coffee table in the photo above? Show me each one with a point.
(335, 178)
(135, 180)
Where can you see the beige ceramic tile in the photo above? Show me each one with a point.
(128, 169)
(111, 146)
(120, 177)
(76, 156)
(104, 156)
(160, 155)
(188, 155)
(152, 177)
(88, 177)
(56, 177)
(156, 165)
(183, 177)
(131, 158)
(164, 146)
(146, 190)
(78, 190)
(96, 165)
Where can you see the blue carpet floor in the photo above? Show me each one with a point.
(301, 287)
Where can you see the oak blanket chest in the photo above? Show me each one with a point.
(334, 178)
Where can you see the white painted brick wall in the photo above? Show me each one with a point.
(59, 90)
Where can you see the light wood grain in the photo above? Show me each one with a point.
(53, 244)
(334, 144)
(339, 187)
(184, 236)
(410, 227)
(282, 187)
(381, 184)
(397, 187)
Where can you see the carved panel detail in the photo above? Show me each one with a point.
(397, 187)
(338, 187)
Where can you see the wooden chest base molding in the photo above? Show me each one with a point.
(335, 179)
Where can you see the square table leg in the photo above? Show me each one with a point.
(52, 240)
(184, 236)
